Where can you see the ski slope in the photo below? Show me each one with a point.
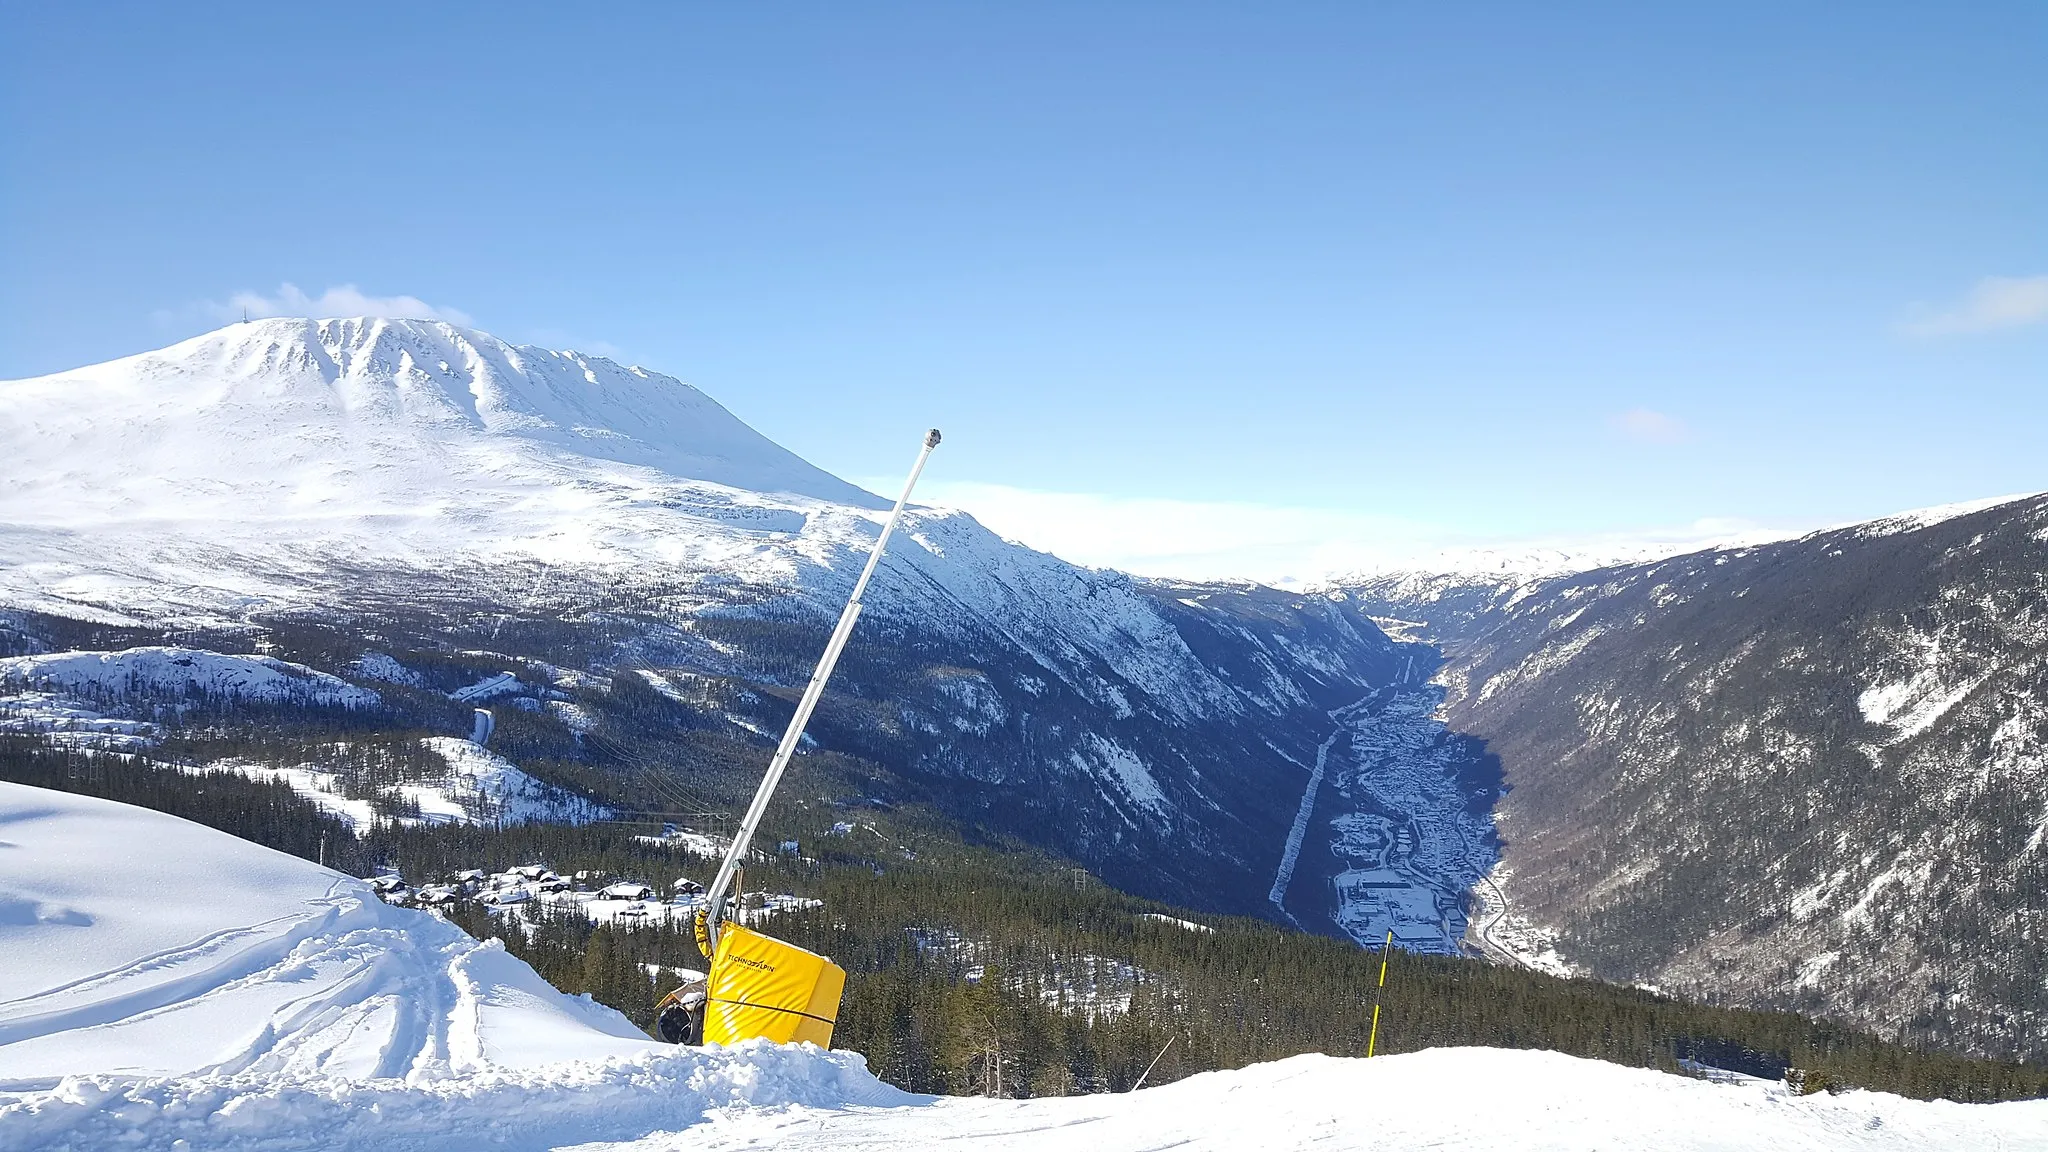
(168, 986)
(138, 944)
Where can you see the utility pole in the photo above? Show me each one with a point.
(1372, 1041)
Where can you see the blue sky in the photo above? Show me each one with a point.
(1196, 288)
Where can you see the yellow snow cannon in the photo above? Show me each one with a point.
(758, 986)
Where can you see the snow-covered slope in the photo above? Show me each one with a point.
(430, 478)
(362, 417)
(1477, 1099)
(173, 672)
(478, 787)
(138, 944)
(168, 986)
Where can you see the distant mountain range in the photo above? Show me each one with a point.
(1810, 774)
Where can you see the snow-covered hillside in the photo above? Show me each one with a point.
(1810, 774)
(411, 482)
(170, 987)
(138, 944)
(338, 418)
(478, 787)
(236, 465)
(161, 672)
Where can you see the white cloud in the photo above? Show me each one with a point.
(1192, 539)
(1996, 302)
(1275, 544)
(344, 300)
(1647, 427)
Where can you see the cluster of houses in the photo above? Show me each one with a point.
(599, 897)
(531, 883)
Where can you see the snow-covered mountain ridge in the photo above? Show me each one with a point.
(366, 417)
(1810, 774)
(451, 492)
(1442, 595)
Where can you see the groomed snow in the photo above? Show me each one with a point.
(1482, 1099)
(566, 1104)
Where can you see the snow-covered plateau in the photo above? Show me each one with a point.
(169, 986)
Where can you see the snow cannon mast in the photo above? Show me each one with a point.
(760, 986)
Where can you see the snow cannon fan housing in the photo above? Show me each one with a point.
(762, 987)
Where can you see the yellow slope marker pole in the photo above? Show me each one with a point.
(1372, 1041)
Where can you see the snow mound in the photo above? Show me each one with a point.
(138, 944)
(179, 671)
(544, 1107)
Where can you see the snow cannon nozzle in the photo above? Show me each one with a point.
(931, 438)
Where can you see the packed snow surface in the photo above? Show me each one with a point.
(171, 987)
(1483, 1099)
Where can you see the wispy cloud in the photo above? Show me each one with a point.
(1276, 544)
(1996, 302)
(1645, 426)
(343, 300)
(1191, 539)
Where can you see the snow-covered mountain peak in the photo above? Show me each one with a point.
(367, 395)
